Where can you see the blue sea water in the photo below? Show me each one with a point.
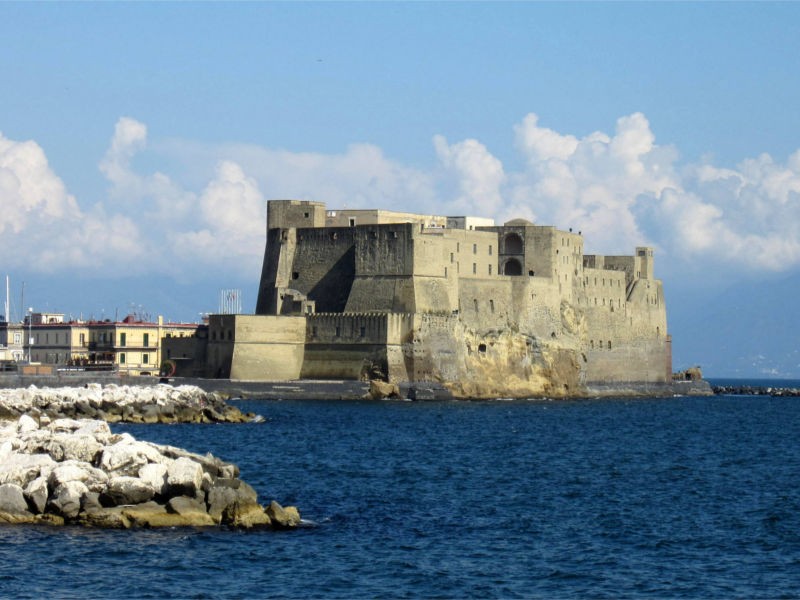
(682, 497)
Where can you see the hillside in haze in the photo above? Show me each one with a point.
(745, 330)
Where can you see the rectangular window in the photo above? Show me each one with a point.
(145, 359)
(474, 268)
(146, 340)
(490, 269)
(474, 248)
(122, 338)
(490, 249)
(122, 358)
(363, 331)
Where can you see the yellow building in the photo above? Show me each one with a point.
(130, 346)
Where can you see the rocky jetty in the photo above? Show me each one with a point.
(67, 471)
(121, 403)
(755, 390)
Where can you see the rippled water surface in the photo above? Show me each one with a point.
(682, 497)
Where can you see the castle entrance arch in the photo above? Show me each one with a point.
(512, 244)
(512, 267)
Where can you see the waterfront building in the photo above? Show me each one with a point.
(131, 346)
(12, 348)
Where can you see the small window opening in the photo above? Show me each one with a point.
(482, 348)
(295, 275)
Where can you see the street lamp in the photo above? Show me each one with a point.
(30, 334)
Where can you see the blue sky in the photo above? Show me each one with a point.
(140, 141)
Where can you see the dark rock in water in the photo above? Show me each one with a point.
(191, 509)
(283, 517)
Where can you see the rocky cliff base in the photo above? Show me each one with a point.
(121, 403)
(67, 471)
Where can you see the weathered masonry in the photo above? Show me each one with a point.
(514, 310)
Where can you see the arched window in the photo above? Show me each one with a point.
(512, 267)
(513, 243)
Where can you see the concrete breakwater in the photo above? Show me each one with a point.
(121, 403)
(67, 471)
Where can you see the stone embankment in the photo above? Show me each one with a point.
(121, 403)
(66, 471)
(754, 390)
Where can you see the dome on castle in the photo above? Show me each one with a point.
(518, 223)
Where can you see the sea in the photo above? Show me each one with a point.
(684, 497)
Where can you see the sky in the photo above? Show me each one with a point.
(139, 143)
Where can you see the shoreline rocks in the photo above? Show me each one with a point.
(67, 471)
(121, 403)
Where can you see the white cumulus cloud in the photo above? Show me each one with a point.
(205, 216)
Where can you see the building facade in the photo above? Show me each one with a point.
(131, 346)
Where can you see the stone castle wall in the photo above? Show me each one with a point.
(515, 309)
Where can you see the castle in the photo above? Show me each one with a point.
(516, 310)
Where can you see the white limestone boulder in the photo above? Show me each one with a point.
(94, 479)
(184, 477)
(127, 457)
(36, 493)
(26, 423)
(67, 498)
(155, 475)
(12, 499)
(74, 447)
(21, 469)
